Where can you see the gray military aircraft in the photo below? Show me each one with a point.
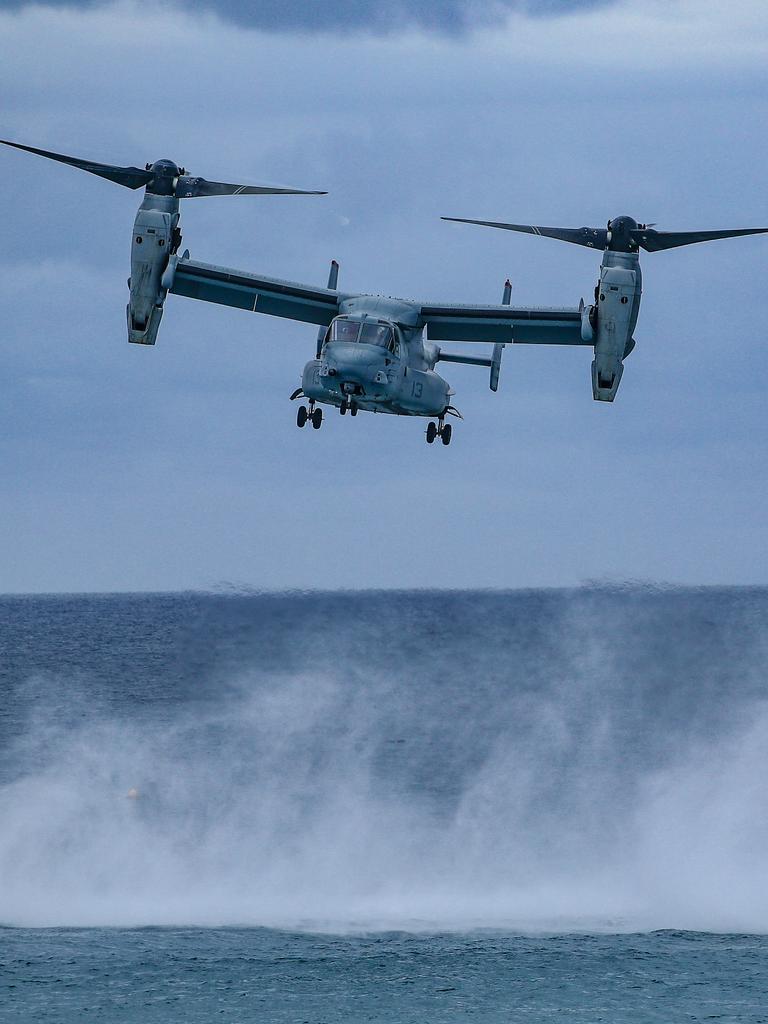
(608, 323)
(375, 353)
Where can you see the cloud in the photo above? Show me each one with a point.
(388, 16)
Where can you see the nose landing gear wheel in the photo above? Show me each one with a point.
(343, 408)
(353, 410)
(431, 433)
(445, 433)
(317, 418)
(301, 416)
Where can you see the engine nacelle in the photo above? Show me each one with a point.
(155, 239)
(618, 296)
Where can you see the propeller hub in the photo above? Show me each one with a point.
(620, 234)
(165, 174)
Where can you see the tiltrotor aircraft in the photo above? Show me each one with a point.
(375, 353)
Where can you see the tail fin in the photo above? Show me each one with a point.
(333, 280)
(499, 347)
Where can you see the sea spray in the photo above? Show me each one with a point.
(538, 760)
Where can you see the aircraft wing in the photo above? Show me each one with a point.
(503, 324)
(255, 293)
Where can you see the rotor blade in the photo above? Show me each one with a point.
(594, 238)
(190, 188)
(131, 177)
(655, 241)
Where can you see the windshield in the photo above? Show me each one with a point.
(376, 334)
(368, 334)
(345, 330)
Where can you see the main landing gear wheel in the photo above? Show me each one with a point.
(440, 429)
(302, 415)
(353, 410)
(317, 418)
(343, 408)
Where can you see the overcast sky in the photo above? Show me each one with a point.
(387, 16)
(124, 468)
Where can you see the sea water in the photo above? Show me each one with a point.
(385, 806)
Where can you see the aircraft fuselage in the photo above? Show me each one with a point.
(374, 357)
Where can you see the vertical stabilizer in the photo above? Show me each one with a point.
(333, 280)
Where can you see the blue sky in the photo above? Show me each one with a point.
(180, 466)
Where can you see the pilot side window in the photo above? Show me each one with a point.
(376, 334)
(345, 330)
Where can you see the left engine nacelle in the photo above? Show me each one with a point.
(155, 238)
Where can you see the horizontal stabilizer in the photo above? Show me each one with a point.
(470, 360)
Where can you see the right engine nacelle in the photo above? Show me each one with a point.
(618, 299)
(155, 239)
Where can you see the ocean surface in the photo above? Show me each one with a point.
(525, 806)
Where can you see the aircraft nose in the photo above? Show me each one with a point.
(354, 361)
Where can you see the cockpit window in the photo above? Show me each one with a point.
(345, 330)
(376, 334)
(366, 333)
